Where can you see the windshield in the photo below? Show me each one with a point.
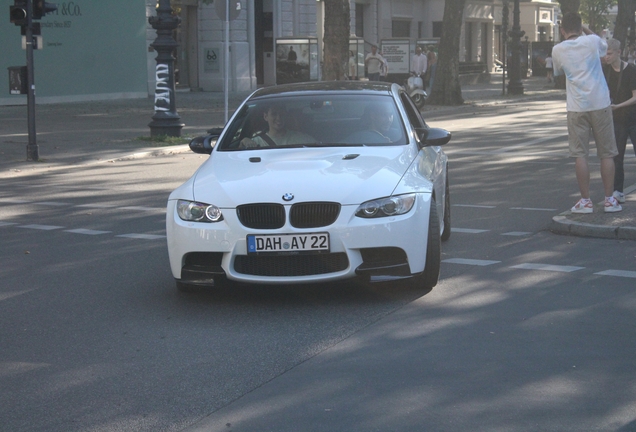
(316, 121)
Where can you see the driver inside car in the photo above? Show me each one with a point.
(377, 122)
(277, 134)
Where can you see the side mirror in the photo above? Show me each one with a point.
(216, 131)
(205, 144)
(434, 137)
(201, 145)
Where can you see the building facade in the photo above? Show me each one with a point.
(91, 50)
(265, 27)
(102, 50)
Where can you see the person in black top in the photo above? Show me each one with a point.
(291, 55)
(621, 80)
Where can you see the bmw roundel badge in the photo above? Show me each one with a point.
(288, 196)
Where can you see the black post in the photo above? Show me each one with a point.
(632, 34)
(504, 43)
(514, 85)
(32, 147)
(166, 121)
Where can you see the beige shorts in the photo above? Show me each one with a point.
(598, 123)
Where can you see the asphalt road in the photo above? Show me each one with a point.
(527, 330)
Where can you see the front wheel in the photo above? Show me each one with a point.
(430, 276)
(447, 211)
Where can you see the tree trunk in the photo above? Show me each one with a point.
(336, 41)
(446, 87)
(624, 20)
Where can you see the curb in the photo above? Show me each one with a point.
(141, 153)
(562, 225)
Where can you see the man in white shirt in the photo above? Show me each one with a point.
(419, 63)
(578, 57)
(374, 62)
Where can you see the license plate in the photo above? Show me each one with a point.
(307, 243)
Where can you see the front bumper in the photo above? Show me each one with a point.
(204, 253)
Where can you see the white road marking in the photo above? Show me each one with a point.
(96, 205)
(517, 233)
(87, 231)
(142, 236)
(547, 267)
(527, 144)
(141, 208)
(533, 209)
(7, 223)
(13, 201)
(53, 204)
(619, 273)
(474, 206)
(468, 230)
(41, 227)
(474, 262)
(63, 204)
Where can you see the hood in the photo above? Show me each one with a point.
(346, 175)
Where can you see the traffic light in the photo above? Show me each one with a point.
(18, 12)
(41, 8)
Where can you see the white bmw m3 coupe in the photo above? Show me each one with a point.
(314, 182)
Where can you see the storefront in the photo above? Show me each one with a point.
(91, 51)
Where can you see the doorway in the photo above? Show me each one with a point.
(186, 59)
(264, 41)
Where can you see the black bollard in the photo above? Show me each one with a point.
(166, 121)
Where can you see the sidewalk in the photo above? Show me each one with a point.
(80, 134)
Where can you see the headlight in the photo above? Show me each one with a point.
(389, 206)
(198, 212)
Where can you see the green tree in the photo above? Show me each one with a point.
(624, 19)
(569, 6)
(594, 13)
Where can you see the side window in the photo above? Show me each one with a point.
(415, 118)
(242, 126)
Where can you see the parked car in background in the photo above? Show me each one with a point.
(314, 182)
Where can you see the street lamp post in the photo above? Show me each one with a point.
(504, 43)
(32, 146)
(166, 121)
(514, 85)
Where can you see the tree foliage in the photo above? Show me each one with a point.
(624, 19)
(594, 13)
(569, 6)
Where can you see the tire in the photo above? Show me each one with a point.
(430, 276)
(447, 211)
(419, 100)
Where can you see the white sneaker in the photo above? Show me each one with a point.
(583, 206)
(620, 196)
(612, 205)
